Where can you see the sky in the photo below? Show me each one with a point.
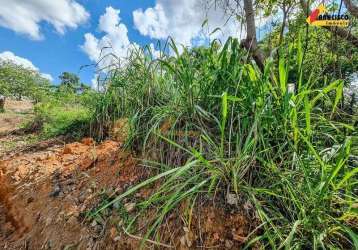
(54, 36)
(63, 35)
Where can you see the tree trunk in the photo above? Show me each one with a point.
(351, 7)
(2, 103)
(250, 43)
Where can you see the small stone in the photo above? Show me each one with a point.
(229, 244)
(94, 223)
(129, 206)
(56, 191)
(231, 199)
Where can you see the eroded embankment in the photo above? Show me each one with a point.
(44, 195)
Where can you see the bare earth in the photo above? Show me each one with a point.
(47, 190)
(16, 113)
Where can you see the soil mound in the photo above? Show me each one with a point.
(44, 195)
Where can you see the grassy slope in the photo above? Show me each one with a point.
(216, 125)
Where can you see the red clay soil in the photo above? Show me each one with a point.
(44, 196)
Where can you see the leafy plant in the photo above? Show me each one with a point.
(216, 124)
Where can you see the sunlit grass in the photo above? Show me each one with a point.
(216, 124)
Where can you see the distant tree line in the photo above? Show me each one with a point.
(18, 82)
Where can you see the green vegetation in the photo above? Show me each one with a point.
(234, 129)
(65, 112)
(215, 122)
(59, 110)
(17, 81)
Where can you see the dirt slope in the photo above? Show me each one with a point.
(48, 187)
(44, 195)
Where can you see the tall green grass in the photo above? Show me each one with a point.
(232, 128)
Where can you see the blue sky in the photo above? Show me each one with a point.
(53, 36)
(63, 35)
(56, 53)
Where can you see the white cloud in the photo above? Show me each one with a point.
(114, 45)
(25, 16)
(47, 76)
(183, 21)
(152, 22)
(114, 41)
(94, 82)
(11, 57)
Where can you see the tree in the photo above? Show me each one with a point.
(251, 8)
(17, 81)
(2, 103)
(250, 43)
(353, 9)
(69, 81)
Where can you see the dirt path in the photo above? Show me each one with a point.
(45, 196)
(16, 113)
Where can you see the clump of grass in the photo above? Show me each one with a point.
(64, 114)
(64, 120)
(231, 128)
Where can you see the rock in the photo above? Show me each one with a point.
(56, 191)
(129, 207)
(231, 199)
(229, 244)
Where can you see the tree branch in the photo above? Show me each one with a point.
(351, 7)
